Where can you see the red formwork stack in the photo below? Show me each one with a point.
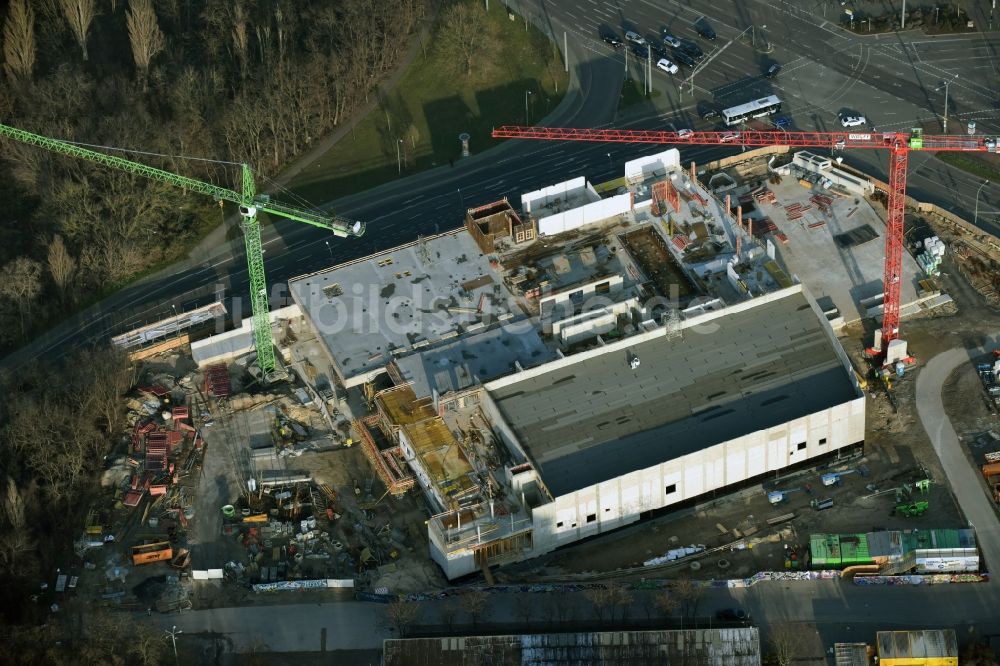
(217, 380)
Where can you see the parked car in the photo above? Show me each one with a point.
(704, 29)
(670, 39)
(634, 37)
(853, 121)
(772, 71)
(682, 58)
(611, 39)
(737, 614)
(667, 66)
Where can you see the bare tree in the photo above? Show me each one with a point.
(16, 544)
(79, 14)
(20, 281)
(144, 35)
(19, 41)
(146, 644)
(787, 641)
(402, 614)
(525, 606)
(103, 376)
(449, 610)
(620, 596)
(465, 32)
(690, 595)
(599, 599)
(475, 603)
(666, 602)
(62, 265)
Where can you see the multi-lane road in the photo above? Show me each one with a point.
(895, 80)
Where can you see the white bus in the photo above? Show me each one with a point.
(764, 106)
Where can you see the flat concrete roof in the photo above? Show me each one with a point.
(475, 359)
(843, 276)
(738, 646)
(730, 373)
(410, 297)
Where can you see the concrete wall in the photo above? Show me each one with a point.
(644, 167)
(533, 202)
(584, 215)
(614, 282)
(232, 344)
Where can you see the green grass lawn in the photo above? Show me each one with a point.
(632, 94)
(435, 101)
(987, 166)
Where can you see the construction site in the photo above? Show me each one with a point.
(669, 367)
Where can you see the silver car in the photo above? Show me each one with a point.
(635, 38)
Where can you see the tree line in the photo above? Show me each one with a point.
(226, 81)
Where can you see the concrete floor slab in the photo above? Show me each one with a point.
(835, 275)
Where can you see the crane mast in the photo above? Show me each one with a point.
(899, 145)
(249, 202)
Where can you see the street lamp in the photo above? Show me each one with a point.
(975, 219)
(399, 164)
(329, 249)
(527, 93)
(945, 86)
(173, 633)
(461, 199)
(610, 163)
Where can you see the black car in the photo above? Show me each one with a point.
(692, 50)
(706, 111)
(704, 29)
(640, 51)
(682, 58)
(733, 614)
(611, 39)
(772, 71)
(659, 48)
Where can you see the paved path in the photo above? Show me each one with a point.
(962, 476)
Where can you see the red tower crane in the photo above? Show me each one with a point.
(899, 145)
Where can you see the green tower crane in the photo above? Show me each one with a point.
(249, 201)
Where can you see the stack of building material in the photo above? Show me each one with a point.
(157, 450)
(217, 380)
(930, 259)
(139, 432)
(822, 202)
(763, 226)
(764, 195)
(796, 210)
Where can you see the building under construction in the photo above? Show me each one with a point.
(559, 370)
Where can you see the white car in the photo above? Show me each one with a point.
(667, 66)
(635, 38)
(853, 121)
(684, 133)
(730, 136)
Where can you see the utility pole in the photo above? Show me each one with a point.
(902, 18)
(173, 633)
(566, 50)
(711, 58)
(975, 219)
(527, 120)
(649, 69)
(399, 163)
(946, 84)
